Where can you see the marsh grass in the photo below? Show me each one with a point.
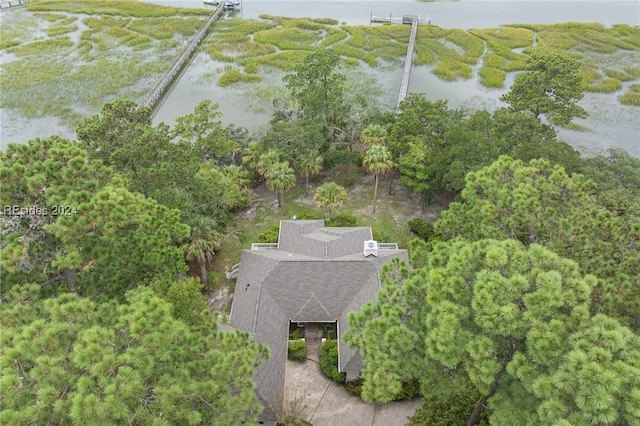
(333, 36)
(58, 30)
(111, 7)
(22, 30)
(355, 53)
(492, 77)
(166, 28)
(235, 76)
(40, 47)
(593, 44)
(234, 51)
(58, 76)
(471, 45)
(501, 58)
(285, 60)
(632, 96)
(607, 85)
(449, 63)
(241, 26)
(289, 38)
(619, 75)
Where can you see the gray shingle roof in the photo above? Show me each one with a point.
(317, 274)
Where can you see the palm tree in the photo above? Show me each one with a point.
(377, 160)
(373, 134)
(202, 244)
(330, 195)
(266, 160)
(280, 177)
(309, 163)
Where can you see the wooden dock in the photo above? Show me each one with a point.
(6, 4)
(158, 93)
(408, 61)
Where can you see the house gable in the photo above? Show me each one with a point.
(316, 274)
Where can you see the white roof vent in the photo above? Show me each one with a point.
(370, 248)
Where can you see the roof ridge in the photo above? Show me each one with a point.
(313, 297)
(361, 289)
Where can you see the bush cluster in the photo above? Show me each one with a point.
(270, 235)
(329, 361)
(409, 390)
(421, 228)
(341, 220)
(341, 157)
(297, 350)
(354, 387)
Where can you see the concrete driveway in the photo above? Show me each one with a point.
(326, 403)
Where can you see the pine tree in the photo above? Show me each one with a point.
(511, 320)
(540, 203)
(70, 360)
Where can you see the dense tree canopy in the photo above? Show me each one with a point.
(69, 360)
(552, 86)
(507, 318)
(319, 88)
(186, 173)
(104, 240)
(436, 147)
(36, 177)
(540, 203)
(203, 130)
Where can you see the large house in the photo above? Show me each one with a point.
(314, 274)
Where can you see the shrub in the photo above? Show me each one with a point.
(346, 176)
(270, 235)
(340, 220)
(439, 410)
(296, 334)
(341, 157)
(307, 216)
(409, 390)
(329, 361)
(297, 350)
(381, 236)
(354, 387)
(421, 228)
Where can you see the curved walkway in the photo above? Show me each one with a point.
(327, 404)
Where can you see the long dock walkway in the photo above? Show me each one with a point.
(158, 93)
(408, 61)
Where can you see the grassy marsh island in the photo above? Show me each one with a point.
(65, 58)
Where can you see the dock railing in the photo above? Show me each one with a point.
(158, 92)
(7, 4)
(408, 61)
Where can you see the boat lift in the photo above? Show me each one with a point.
(227, 4)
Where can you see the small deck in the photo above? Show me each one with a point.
(8, 4)
(404, 19)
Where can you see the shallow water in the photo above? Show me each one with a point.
(609, 124)
(449, 14)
